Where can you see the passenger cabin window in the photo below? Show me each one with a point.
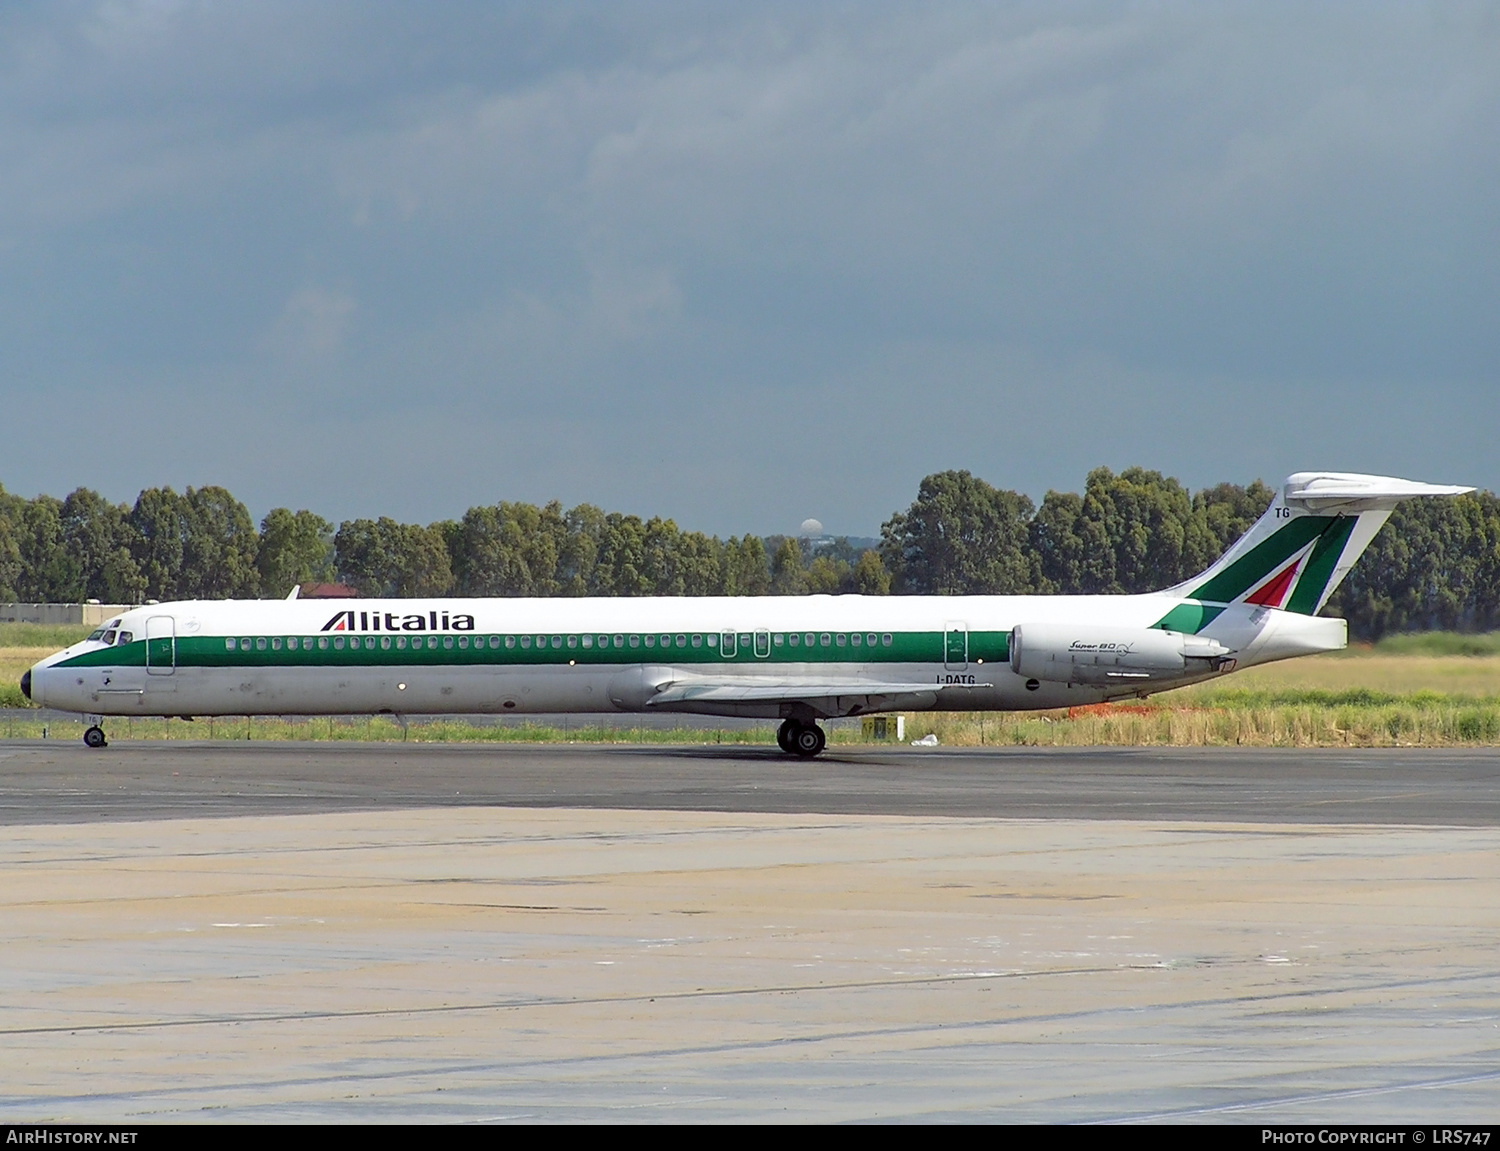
(794, 639)
(635, 641)
(824, 639)
(588, 641)
(400, 643)
(230, 645)
(260, 643)
(885, 640)
(650, 641)
(385, 642)
(276, 643)
(323, 642)
(338, 642)
(525, 641)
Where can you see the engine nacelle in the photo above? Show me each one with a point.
(1083, 653)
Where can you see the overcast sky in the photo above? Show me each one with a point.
(741, 264)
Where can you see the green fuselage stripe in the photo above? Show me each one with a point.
(438, 650)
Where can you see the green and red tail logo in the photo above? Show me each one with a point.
(1290, 568)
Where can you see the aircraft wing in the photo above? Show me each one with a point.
(838, 697)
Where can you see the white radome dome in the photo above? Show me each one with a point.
(812, 528)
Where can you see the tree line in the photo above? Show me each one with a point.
(1437, 565)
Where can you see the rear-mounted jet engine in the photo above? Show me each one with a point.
(1066, 653)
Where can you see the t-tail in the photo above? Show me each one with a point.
(1296, 555)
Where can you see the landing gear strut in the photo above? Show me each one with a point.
(94, 737)
(797, 738)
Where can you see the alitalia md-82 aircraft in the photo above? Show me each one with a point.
(794, 658)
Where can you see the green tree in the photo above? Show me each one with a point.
(701, 563)
(1434, 565)
(218, 547)
(827, 575)
(620, 557)
(869, 576)
(509, 549)
(386, 558)
(12, 509)
(961, 537)
(1228, 510)
(746, 571)
(662, 557)
(47, 573)
(97, 537)
(159, 526)
(296, 548)
(788, 575)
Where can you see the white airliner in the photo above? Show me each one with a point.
(794, 658)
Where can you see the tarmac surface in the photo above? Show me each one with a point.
(344, 932)
(58, 782)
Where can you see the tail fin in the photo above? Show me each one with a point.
(1295, 555)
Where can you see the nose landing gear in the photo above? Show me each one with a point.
(797, 738)
(94, 737)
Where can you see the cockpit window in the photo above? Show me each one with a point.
(109, 636)
(126, 637)
(93, 635)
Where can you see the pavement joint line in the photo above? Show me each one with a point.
(1293, 1100)
(783, 989)
(472, 1066)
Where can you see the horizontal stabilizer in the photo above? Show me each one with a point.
(1325, 490)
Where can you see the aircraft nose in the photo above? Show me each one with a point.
(26, 684)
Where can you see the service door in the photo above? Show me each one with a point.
(762, 644)
(161, 645)
(956, 646)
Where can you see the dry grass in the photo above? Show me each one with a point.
(1360, 698)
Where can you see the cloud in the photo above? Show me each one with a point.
(719, 257)
(312, 325)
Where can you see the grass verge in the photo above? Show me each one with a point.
(1426, 720)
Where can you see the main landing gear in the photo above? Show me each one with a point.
(798, 738)
(94, 737)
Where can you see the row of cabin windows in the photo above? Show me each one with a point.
(463, 642)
